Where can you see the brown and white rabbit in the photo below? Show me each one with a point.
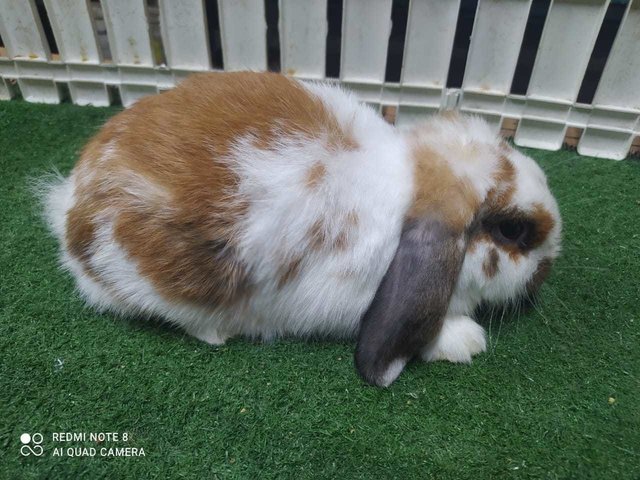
(253, 204)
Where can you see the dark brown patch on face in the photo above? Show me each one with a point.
(490, 264)
(315, 175)
(538, 223)
(479, 237)
(499, 211)
(540, 275)
(544, 223)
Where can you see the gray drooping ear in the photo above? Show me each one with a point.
(412, 299)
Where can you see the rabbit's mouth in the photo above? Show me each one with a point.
(489, 312)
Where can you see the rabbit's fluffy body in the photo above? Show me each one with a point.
(252, 204)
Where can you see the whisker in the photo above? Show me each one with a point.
(580, 267)
(495, 345)
(550, 289)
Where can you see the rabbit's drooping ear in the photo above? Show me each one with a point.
(412, 299)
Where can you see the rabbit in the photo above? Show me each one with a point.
(257, 205)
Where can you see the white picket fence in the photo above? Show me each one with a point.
(609, 124)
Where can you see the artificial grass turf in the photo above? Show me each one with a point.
(556, 395)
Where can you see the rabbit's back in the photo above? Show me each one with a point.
(245, 201)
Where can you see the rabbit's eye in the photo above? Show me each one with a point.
(512, 231)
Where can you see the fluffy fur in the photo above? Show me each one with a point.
(251, 204)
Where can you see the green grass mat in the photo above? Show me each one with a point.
(556, 396)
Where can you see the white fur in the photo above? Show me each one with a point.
(333, 287)
(473, 286)
(468, 146)
(459, 339)
(393, 371)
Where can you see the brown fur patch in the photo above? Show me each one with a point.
(320, 238)
(505, 184)
(342, 240)
(490, 264)
(499, 197)
(544, 223)
(91, 197)
(438, 191)
(187, 259)
(475, 240)
(315, 175)
(317, 235)
(177, 142)
(80, 234)
(289, 272)
(352, 220)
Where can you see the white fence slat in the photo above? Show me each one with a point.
(620, 82)
(303, 37)
(568, 37)
(617, 99)
(73, 29)
(493, 54)
(366, 26)
(610, 123)
(130, 93)
(24, 40)
(128, 31)
(495, 45)
(89, 93)
(431, 28)
(243, 31)
(21, 30)
(184, 34)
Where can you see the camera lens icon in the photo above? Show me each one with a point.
(31, 444)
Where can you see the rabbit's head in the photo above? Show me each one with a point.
(483, 227)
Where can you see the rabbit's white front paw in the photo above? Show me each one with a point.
(459, 339)
(209, 335)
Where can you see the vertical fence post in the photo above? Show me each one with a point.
(73, 29)
(366, 26)
(243, 31)
(128, 32)
(614, 120)
(303, 38)
(493, 54)
(184, 34)
(568, 38)
(431, 27)
(26, 45)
